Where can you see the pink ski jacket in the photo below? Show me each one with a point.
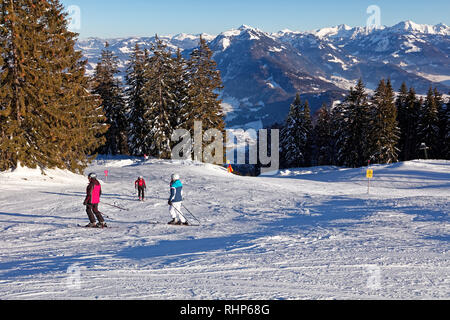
(93, 192)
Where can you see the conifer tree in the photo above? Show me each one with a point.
(383, 135)
(180, 74)
(403, 118)
(180, 112)
(48, 118)
(307, 129)
(77, 130)
(445, 130)
(289, 144)
(351, 120)
(444, 125)
(18, 20)
(428, 128)
(158, 97)
(109, 89)
(4, 119)
(323, 137)
(296, 136)
(135, 79)
(409, 109)
(204, 85)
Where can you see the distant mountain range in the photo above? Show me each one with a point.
(263, 71)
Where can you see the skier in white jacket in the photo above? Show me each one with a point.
(176, 200)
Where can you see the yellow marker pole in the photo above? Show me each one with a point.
(369, 176)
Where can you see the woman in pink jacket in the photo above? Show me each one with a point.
(93, 194)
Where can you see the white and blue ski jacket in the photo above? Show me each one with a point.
(176, 191)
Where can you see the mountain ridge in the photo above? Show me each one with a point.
(262, 71)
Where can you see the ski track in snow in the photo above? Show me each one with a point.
(303, 234)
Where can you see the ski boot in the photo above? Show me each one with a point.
(91, 225)
(101, 225)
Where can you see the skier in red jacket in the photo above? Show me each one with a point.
(93, 194)
(140, 185)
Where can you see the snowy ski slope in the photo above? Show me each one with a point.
(304, 234)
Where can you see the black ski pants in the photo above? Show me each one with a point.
(92, 212)
(141, 192)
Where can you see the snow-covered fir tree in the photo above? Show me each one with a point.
(383, 134)
(109, 89)
(351, 123)
(428, 128)
(135, 80)
(323, 137)
(409, 109)
(166, 92)
(444, 125)
(296, 136)
(159, 99)
(180, 112)
(204, 85)
(180, 86)
(376, 128)
(289, 144)
(405, 121)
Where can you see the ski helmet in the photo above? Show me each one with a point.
(92, 176)
(175, 177)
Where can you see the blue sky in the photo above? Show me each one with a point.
(119, 18)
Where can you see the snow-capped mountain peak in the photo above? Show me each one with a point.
(410, 26)
(344, 31)
(340, 31)
(244, 32)
(184, 36)
(247, 27)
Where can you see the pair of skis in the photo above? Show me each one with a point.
(101, 228)
(151, 222)
(174, 225)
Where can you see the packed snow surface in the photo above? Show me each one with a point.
(310, 233)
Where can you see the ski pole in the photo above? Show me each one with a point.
(105, 216)
(111, 205)
(190, 213)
